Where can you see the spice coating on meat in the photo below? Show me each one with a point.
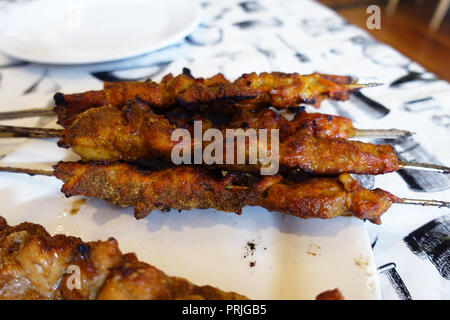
(106, 134)
(35, 265)
(322, 125)
(161, 96)
(180, 188)
(282, 90)
(187, 187)
(334, 156)
(317, 124)
(216, 93)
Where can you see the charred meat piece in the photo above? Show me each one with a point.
(35, 265)
(318, 124)
(136, 132)
(217, 94)
(188, 187)
(282, 90)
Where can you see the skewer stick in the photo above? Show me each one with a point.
(425, 203)
(420, 202)
(37, 112)
(28, 171)
(355, 86)
(423, 167)
(13, 131)
(381, 133)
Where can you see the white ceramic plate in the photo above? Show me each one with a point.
(90, 31)
(294, 258)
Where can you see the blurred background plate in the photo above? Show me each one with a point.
(87, 31)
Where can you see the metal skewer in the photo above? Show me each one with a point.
(13, 131)
(28, 171)
(424, 167)
(382, 133)
(356, 86)
(37, 112)
(425, 203)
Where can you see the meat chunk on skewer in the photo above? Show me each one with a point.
(136, 132)
(188, 187)
(35, 265)
(281, 90)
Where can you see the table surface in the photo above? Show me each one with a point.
(411, 247)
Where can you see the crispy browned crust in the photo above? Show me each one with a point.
(70, 105)
(216, 93)
(161, 96)
(334, 156)
(188, 187)
(318, 124)
(322, 125)
(334, 294)
(136, 132)
(323, 198)
(35, 265)
(182, 187)
(283, 90)
(108, 133)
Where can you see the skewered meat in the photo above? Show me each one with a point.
(282, 90)
(188, 187)
(34, 265)
(317, 124)
(136, 132)
(215, 93)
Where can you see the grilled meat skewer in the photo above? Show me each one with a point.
(36, 265)
(318, 124)
(216, 93)
(136, 132)
(188, 187)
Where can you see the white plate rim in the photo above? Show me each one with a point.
(189, 28)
